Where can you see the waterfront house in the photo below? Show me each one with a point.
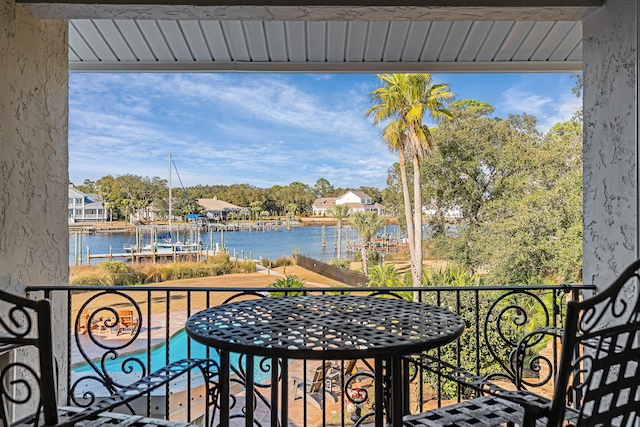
(217, 210)
(323, 205)
(85, 207)
(41, 41)
(357, 201)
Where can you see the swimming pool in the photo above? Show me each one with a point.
(177, 350)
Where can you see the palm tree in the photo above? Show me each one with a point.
(339, 212)
(402, 102)
(291, 210)
(367, 224)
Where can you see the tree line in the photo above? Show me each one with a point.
(131, 194)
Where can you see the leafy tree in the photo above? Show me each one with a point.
(141, 192)
(323, 188)
(256, 208)
(375, 193)
(519, 194)
(185, 200)
(392, 194)
(87, 187)
(403, 102)
(339, 212)
(537, 229)
(300, 194)
(109, 192)
(245, 213)
(367, 225)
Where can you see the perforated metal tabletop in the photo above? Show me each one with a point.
(325, 327)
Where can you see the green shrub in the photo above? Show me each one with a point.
(242, 267)
(340, 263)
(115, 267)
(287, 282)
(384, 276)
(283, 261)
(88, 278)
(511, 317)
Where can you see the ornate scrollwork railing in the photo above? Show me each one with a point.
(493, 318)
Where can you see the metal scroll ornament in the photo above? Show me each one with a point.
(89, 326)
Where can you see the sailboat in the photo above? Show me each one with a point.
(163, 243)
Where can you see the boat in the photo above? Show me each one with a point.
(162, 243)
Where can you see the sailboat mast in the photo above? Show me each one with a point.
(170, 201)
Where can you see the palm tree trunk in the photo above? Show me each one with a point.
(417, 279)
(364, 252)
(417, 218)
(339, 239)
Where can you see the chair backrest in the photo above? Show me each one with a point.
(599, 370)
(126, 316)
(349, 367)
(318, 378)
(27, 323)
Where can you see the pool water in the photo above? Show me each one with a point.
(177, 350)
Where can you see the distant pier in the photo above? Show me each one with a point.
(143, 256)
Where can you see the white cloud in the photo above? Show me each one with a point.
(221, 129)
(517, 101)
(549, 110)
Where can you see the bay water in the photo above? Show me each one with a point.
(270, 244)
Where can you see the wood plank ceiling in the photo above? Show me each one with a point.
(350, 38)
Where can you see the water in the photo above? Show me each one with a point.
(177, 350)
(265, 244)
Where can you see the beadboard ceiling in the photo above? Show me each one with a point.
(283, 36)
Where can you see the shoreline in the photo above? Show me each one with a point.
(122, 227)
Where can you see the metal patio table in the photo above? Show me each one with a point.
(325, 327)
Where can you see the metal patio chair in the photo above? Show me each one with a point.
(28, 391)
(598, 379)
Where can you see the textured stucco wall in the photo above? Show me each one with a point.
(611, 145)
(33, 156)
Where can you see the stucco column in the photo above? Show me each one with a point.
(34, 240)
(610, 141)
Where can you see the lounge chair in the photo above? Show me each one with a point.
(126, 320)
(323, 379)
(83, 325)
(347, 370)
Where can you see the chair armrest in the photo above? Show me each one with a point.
(143, 386)
(455, 373)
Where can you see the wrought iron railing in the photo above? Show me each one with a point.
(117, 333)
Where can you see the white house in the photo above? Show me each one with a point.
(357, 201)
(217, 210)
(322, 205)
(85, 207)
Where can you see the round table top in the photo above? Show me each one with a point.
(325, 327)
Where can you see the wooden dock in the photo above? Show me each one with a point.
(153, 256)
(245, 226)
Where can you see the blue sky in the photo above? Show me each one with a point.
(263, 129)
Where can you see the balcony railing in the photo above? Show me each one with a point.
(109, 347)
